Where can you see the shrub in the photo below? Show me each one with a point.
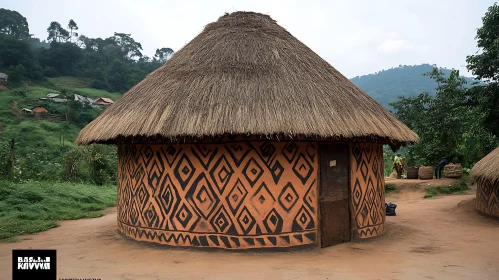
(390, 187)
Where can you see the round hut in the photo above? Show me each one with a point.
(245, 139)
(485, 175)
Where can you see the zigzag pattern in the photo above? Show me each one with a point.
(371, 231)
(368, 189)
(172, 238)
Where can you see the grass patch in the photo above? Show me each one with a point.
(458, 188)
(70, 82)
(390, 187)
(37, 206)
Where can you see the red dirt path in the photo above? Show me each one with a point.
(441, 238)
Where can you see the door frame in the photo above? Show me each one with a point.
(319, 186)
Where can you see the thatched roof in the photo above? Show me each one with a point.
(245, 74)
(488, 167)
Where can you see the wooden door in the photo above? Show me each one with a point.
(334, 194)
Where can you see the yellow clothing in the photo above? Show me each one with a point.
(398, 160)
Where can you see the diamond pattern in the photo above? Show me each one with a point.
(151, 217)
(276, 171)
(246, 220)
(302, 168)
(227, 195)
(221, 174)
(202, 196)
(289, 151)
(185, 218)
(357, 193)
(184, 171)
(262, 199)
(368, 194)
(166, 196)
(487, 197)
(267, 150)
(288, 197)
(236, 196)
(364, 170)
(221, 221)
(252, 172)
(303, 220)
(142, 195)
(273, 222)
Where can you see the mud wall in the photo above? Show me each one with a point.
(487, 197)
(368, 190)
(239, 195)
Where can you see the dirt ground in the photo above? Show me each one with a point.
(442, 238)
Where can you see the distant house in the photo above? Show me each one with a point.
(52, 95)
(104, 101)
(43, 98)
(85, 100)
(59, 100)
(39, 110)
(27, 111)
(3, 78)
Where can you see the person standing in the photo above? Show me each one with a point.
(398, 165)
(440, 167)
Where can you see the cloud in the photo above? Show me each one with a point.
(397, 46)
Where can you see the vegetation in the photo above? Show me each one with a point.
(405, 80)
(458, 188)
(390, 187)
(36, 206)
(114, 64)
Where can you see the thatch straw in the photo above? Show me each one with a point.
(245, 74)
(487, 168)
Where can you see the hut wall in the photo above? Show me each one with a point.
(487, 196)
(239, 195)
(368, 190)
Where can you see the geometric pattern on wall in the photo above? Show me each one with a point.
(487, 197)
(235, 195)
(367, 189)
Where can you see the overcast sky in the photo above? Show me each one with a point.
(356, 37)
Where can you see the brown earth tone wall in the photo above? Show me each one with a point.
(368, 190)
(239, 195)
(487, 197)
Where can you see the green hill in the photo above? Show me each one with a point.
(387, 85)
(42, 140)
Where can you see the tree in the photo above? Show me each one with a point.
(56, 32)
(14, 52)
(446, 124)
(17, 74)
(485, 65)
(129, 47)
(14, 24)
(163, 54)
(72, 27)
(62, 57)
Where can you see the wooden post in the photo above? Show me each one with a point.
(12, 160)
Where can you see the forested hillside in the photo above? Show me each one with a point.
(408, 80)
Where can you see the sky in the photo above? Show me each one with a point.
(357, 37)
